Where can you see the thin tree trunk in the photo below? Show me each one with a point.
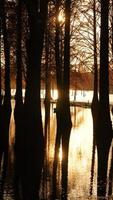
(94, 106)
(0, 66)
(95, 101)
(18, 111)
(59, 75)
(67, 124)
(47, 109)
(48, 85)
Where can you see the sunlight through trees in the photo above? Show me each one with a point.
(55, 52)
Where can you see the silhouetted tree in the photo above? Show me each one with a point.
(6, 107)
(66, 123)
(18, 111)
(63, 104)
(59, 109)
(110, 189)
(104, 128)
(94, 105)
(33, 132)
(47, 107)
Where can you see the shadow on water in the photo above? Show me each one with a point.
(62, 138)
(3, 174)
(4, 144)
(46, 174)
(65, 172)
(55, 164)
(76, 190)
(18, 149)
(103, 152)
(94, 111)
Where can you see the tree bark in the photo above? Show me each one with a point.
(33, 132)
(104, 128)
(6, 107)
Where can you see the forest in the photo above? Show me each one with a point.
(61, 45)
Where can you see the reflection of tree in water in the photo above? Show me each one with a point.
(77, 116)
(9, 184)
(76, 165)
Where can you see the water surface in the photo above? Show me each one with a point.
(80, 156)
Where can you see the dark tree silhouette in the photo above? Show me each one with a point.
(63, 105)
(6, 107)
(47, 82)
(30, 148)
(47, 108)
(104, 128)
(110, 189)
(59, 110)
(33, 132)
(18, 111)
(66, 123)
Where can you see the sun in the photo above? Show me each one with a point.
(61, 17)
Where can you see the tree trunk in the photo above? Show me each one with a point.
(33, 132)
(47, 110)
(66, 123)
(110, 188)
(95, 101)
(0, 71)
(94, 106)
(63, 115)
(18, 111)
(6, 107)
(47, 85)
(104, 128)
(59, 109)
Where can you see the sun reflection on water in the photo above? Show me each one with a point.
(80, 153)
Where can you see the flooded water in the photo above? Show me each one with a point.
(80, 156)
